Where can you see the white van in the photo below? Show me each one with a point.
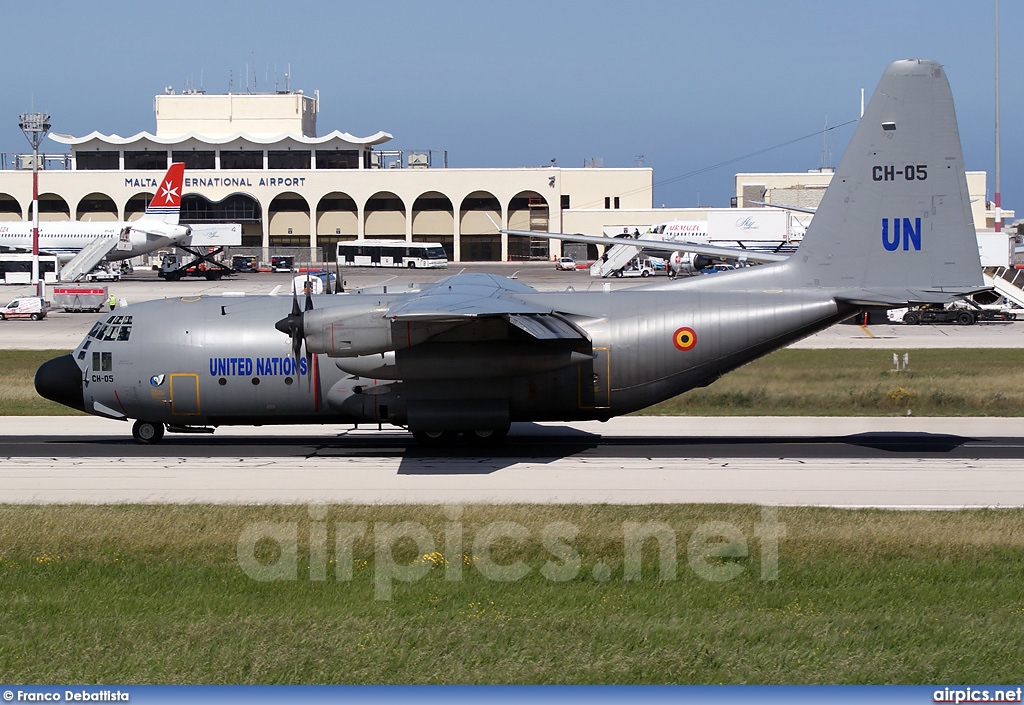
(31, 307)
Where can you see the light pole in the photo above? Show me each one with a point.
(35, 126)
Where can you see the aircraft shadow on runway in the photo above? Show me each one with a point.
(535, 444)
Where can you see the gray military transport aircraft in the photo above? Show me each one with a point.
(473, 352)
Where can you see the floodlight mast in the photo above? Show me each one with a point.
(35, 126)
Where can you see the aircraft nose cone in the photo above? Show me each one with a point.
(60, 380)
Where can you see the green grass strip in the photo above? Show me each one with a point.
(138, 594)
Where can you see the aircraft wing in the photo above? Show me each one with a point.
(664, 245)
(468, 298)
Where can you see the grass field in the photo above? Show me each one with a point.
(135, 594)
(17, 392)
(987, 382)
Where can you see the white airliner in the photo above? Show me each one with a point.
(157, 228)
(688, 242)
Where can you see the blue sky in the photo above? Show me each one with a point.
(688, 85)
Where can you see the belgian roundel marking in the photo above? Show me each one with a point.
(684, 339)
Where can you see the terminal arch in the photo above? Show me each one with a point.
(288, 221)
(136, 205)
(479, 241)
(433, 220)
(528, 210)
(95, 207)
(337, 219)
(52, 207)
(10, 209)
(384, 216)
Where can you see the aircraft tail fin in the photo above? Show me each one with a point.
(166, 203)
(896, 215)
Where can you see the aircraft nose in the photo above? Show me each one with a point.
(60, 380)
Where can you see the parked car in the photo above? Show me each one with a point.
(716, 268)
(566, 263)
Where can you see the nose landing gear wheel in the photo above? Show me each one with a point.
(147, 432)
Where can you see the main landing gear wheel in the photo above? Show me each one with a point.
(435, 438)
(147, 432)
(486, 437)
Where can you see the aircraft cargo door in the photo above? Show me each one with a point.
(185, 394)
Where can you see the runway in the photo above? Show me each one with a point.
(843, 462)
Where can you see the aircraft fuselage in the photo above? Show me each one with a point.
(207, 361)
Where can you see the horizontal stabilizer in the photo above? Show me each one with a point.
(897, 298)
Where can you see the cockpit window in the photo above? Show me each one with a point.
(117, 328)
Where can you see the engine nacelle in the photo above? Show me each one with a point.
(687, 263)
(342, 332)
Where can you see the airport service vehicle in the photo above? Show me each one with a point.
(244, 264)
(961, 313)
(174, 267)
(639, 267)
(566, 263)
(16, 267)
(471, 353)
(103, 274)
(31, 307)
(392, 253)
(80, 299)
(282, 263)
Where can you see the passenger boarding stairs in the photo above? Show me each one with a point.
(1008, 282)
(89, 257)
(616, 257)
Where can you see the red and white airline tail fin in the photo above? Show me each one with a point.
(166, 204)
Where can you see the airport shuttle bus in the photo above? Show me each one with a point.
(16, 268)
(392, 253)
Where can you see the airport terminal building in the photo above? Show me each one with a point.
(257, 160)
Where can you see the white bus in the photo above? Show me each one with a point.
(16, 268)
(391, 253)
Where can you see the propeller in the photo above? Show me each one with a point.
(291, 325)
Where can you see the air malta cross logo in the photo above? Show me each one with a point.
(169, 192)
